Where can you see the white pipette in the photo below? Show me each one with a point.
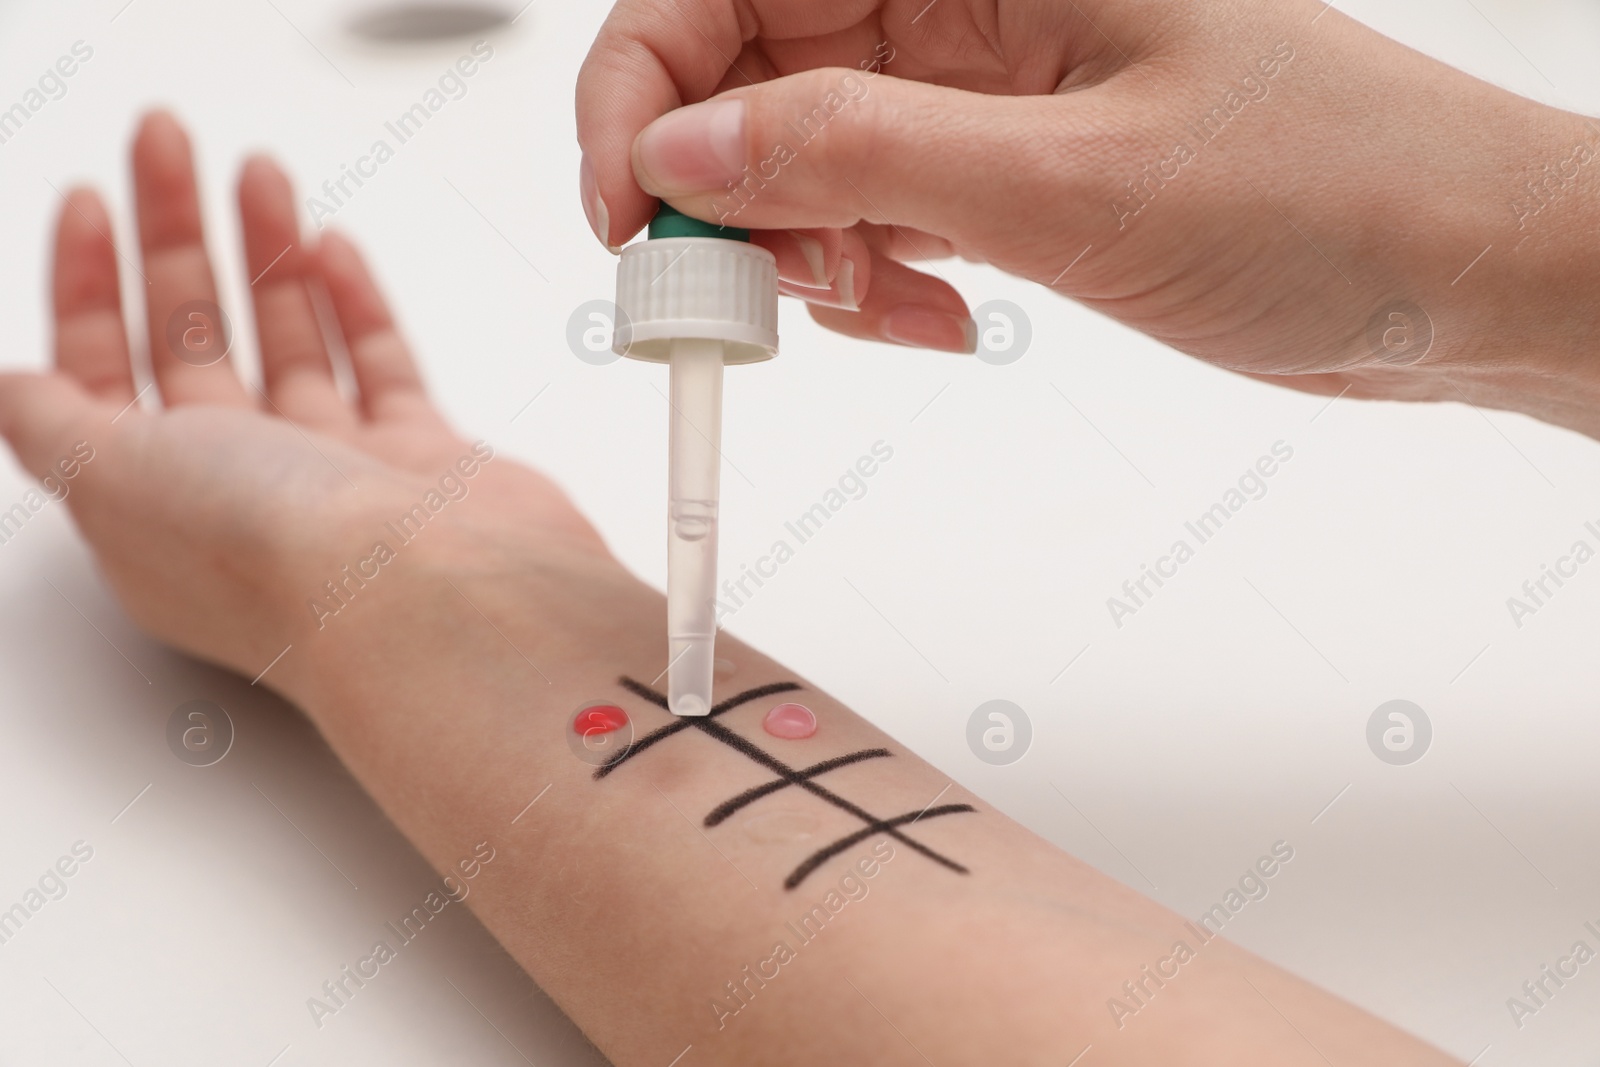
(693, 466)
(695, 296)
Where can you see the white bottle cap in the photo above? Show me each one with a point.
(708, 288)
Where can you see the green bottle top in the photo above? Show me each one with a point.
(670, 222)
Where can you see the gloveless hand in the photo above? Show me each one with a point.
(1253, 182)
(218, 517)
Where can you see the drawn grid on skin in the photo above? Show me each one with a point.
(803, 778)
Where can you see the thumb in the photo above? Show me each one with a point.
(830, 147)
(46, 419)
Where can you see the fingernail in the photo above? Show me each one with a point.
(844, 285)
(594, 207)
(800, 257)
(924, 327)
(698, 148)
(811, 252)
(841, 294)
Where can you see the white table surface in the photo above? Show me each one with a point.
(1173, 752)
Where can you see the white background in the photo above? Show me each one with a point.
(1225, 716)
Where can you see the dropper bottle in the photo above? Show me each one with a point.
(695, 296)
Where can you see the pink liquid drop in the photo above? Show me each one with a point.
(792, 722)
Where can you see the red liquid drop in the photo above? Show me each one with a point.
(600, 719)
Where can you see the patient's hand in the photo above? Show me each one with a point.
(218, 513)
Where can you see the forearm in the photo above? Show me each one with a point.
(1489, 252)
(1517, 267)
(448, 687)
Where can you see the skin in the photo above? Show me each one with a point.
(447, 682)
(1007, 131)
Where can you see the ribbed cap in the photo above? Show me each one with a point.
(711, 288)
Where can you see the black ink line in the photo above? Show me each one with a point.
(750, 694)
(639, 689)
(644, 692)
(787, 775)
(750, 796)
(882, 826)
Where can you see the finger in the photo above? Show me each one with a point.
(91, 341)
(186, 338)
(906, 307)
(385, 373)
(850, 280)
(833, 147)
(44, 417)
(651, 56)
(295, 369)
(805, 257)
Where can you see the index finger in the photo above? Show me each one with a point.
(652, 56)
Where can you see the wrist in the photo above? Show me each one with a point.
(1522, 311)
(1471, 273)
(470, 600)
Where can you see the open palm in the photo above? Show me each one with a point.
(209, 509)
